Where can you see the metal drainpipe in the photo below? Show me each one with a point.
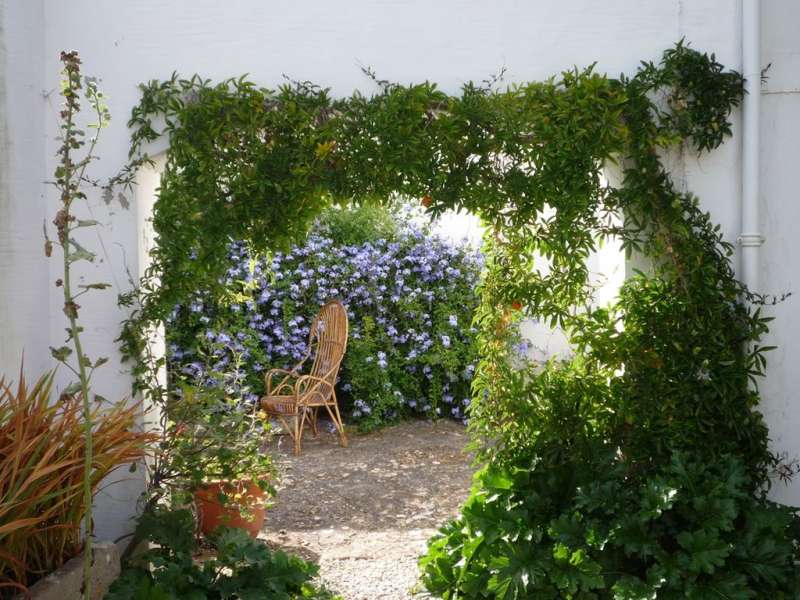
(750, 238)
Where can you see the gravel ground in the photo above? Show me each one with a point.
(364, 513)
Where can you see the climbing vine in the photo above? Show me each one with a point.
(660, 394)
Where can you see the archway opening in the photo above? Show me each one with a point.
(645, 380)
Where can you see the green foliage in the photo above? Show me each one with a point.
(258, 165)
(355, 225)
(242, 568)
(214, 438)
(698, 95)
(638, 468)
(208, 435)
(660, 393)
(580, 528)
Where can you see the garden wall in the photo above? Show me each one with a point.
(449, 42)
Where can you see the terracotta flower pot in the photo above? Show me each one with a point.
(212, 513)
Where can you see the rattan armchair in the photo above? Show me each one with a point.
(295, 398)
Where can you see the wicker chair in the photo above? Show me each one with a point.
(297, 398)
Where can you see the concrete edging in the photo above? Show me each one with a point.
(66, 582)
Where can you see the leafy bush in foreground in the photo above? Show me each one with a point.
(410, 297)
(579, 530)
(243, 568)
(639, 468)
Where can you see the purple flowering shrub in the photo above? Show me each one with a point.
(410, 296)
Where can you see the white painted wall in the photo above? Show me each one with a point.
(449, 41)
(780, 225)
(24, 304)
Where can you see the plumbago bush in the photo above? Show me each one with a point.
(410, 295)
(639, 468)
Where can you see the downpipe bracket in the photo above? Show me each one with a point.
(750, 240)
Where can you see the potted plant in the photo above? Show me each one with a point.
(219, 452)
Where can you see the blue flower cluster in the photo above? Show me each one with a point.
(410, 301)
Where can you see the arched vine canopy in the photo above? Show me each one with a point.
(638, 465)
(663, 369)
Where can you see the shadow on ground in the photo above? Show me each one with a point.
(365, 512)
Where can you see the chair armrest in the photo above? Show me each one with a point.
(283, 382)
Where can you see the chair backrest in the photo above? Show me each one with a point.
(327, 341)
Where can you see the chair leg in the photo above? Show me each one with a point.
(285, 424)
(313, 418)
(293, 425)
(342, 434)
(337, 421)
(299, 422)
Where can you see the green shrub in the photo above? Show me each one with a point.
(209, 438)
(242, 568)
(638, 468)
(581, 529)
(668, 373)
(356, 225)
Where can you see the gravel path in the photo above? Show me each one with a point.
(364, 513)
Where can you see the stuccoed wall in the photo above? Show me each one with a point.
(24, 307)
(780, 225)
(448, 41)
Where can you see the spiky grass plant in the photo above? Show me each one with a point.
(42, 468)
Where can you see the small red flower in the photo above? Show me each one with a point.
(516, 305)
(426, 201)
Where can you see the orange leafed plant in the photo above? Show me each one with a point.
(41, 474)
